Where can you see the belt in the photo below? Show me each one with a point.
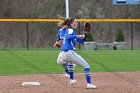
(67, 50)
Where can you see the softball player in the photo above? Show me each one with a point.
(60, 36)
(69, 55)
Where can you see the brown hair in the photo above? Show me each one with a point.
(70, 20)
(61, 18)
(61, 22)
(65, 21)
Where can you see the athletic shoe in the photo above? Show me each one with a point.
(91, 86)
(73, 81)
(66, 75)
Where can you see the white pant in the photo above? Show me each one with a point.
(59, 59)
(73, 58)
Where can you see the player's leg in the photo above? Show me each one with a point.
(86, 67)
(71, 72)
(88, 78)
(81, 62)
(59, 59)
(73, 57)
(65, 65)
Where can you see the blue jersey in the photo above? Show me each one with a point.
(61, 34)
(70, 40)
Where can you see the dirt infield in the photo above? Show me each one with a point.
(120, 82)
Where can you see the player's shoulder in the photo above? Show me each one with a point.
(60, 30)
(70, 31)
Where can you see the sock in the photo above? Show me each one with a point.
(65, 65)
(71, 69)
(87, 75)
(66, 69)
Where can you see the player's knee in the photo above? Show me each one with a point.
(60, 61)
(65, 64)
(87, 70)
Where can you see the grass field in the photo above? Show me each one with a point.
(36, 62)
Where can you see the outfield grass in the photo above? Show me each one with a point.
(36, 62)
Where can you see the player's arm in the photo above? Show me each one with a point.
(81, 36)
(71, 36)
(80, 40)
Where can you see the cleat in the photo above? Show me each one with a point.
(72, 82)
(91, 86)
(66, 75)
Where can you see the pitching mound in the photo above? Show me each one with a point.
(120, 82)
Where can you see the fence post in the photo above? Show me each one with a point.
(131, 23)
(27, 35)
(79, 34)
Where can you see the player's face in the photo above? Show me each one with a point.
(74, 24)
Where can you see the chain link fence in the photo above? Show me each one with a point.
(34, 35)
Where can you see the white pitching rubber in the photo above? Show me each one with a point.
(31, 84)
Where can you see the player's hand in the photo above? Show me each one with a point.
(55, 44)
(58, 44)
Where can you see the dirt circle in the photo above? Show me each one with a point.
(109, 82)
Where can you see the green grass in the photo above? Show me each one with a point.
(112, 61)
(36, 62)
